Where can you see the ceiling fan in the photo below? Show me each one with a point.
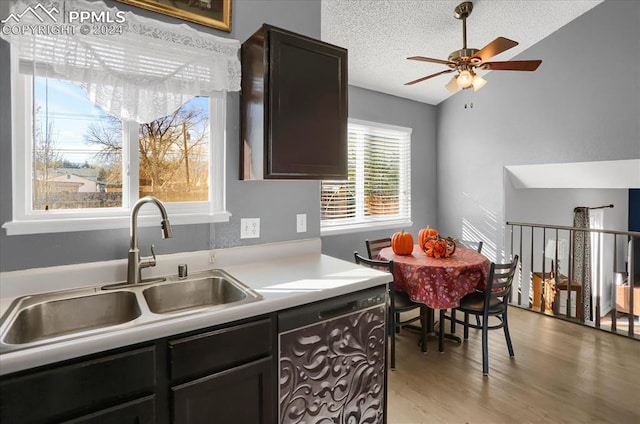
(467, 60)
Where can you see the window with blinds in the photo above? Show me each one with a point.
(378, 189)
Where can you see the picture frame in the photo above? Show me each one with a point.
(212, 13)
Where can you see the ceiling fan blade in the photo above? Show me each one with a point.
(429, 59)
(495, 47)
(429, 76)
(513, 65)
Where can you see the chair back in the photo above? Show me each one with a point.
(375, 246)
(372, 263)
(472, 245)
(500, 280)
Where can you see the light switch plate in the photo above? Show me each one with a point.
(249, 228)
(301, 223)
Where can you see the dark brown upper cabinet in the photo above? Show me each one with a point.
(294, 107)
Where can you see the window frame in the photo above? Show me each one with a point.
(26, 221)
(359, 223)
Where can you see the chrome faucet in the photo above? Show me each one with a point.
(135, 262)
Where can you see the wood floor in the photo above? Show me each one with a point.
(561, 373)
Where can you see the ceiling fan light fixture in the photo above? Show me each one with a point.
(465, 79)
(452, 85)
(467, 60)
(478, 82)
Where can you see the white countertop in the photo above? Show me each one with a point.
(286, 275)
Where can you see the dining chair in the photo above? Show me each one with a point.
(375, 246)
(471, 245)
(398, 302)
(492, 302)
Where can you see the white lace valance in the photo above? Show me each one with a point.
(134, 68)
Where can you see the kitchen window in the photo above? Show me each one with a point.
(82, 168)
(100, 121)
(377, 193)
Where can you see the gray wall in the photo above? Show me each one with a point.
(377, 107)
(275, 203)
(582, 104)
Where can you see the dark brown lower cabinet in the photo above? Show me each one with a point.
(222, 374)
(241, 395)
(77, 388)
(139, 411)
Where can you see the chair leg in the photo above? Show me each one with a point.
(392, 336)
(424, 310)
(485, 347)
(397, 327)
(453, 321)
(441, 332)
(466, 325)
(505, 327)
(478, 320)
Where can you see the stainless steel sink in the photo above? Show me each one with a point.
(37, 320)
(41, 317)
(195, 293)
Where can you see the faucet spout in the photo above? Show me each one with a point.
(134, 264)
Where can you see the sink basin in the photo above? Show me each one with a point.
(43, 317)
(217, 290)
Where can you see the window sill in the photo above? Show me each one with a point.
(64, 225)
(332, 230)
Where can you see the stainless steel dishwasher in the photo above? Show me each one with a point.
(331, 362)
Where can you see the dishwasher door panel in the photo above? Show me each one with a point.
(333, 371)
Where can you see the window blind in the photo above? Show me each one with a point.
(379, 177)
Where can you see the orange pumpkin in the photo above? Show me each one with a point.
(402, 243)
(425, 233)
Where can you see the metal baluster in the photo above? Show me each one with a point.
(631, 279)
(531, 256)
(570, 275)
(614, 294)
(598, 278)
(520, 254)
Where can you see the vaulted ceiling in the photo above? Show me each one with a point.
(381, 34)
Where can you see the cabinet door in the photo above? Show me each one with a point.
(241, 395)
(78, 388)
(308, 108)
(140, 411)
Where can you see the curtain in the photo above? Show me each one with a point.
(134, 68)
(582, 257)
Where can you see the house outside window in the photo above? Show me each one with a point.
(377, 193)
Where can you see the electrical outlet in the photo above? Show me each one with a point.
(249, 228)
(301, 223)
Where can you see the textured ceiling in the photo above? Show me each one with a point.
(381, 34)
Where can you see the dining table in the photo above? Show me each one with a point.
(439, 283)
